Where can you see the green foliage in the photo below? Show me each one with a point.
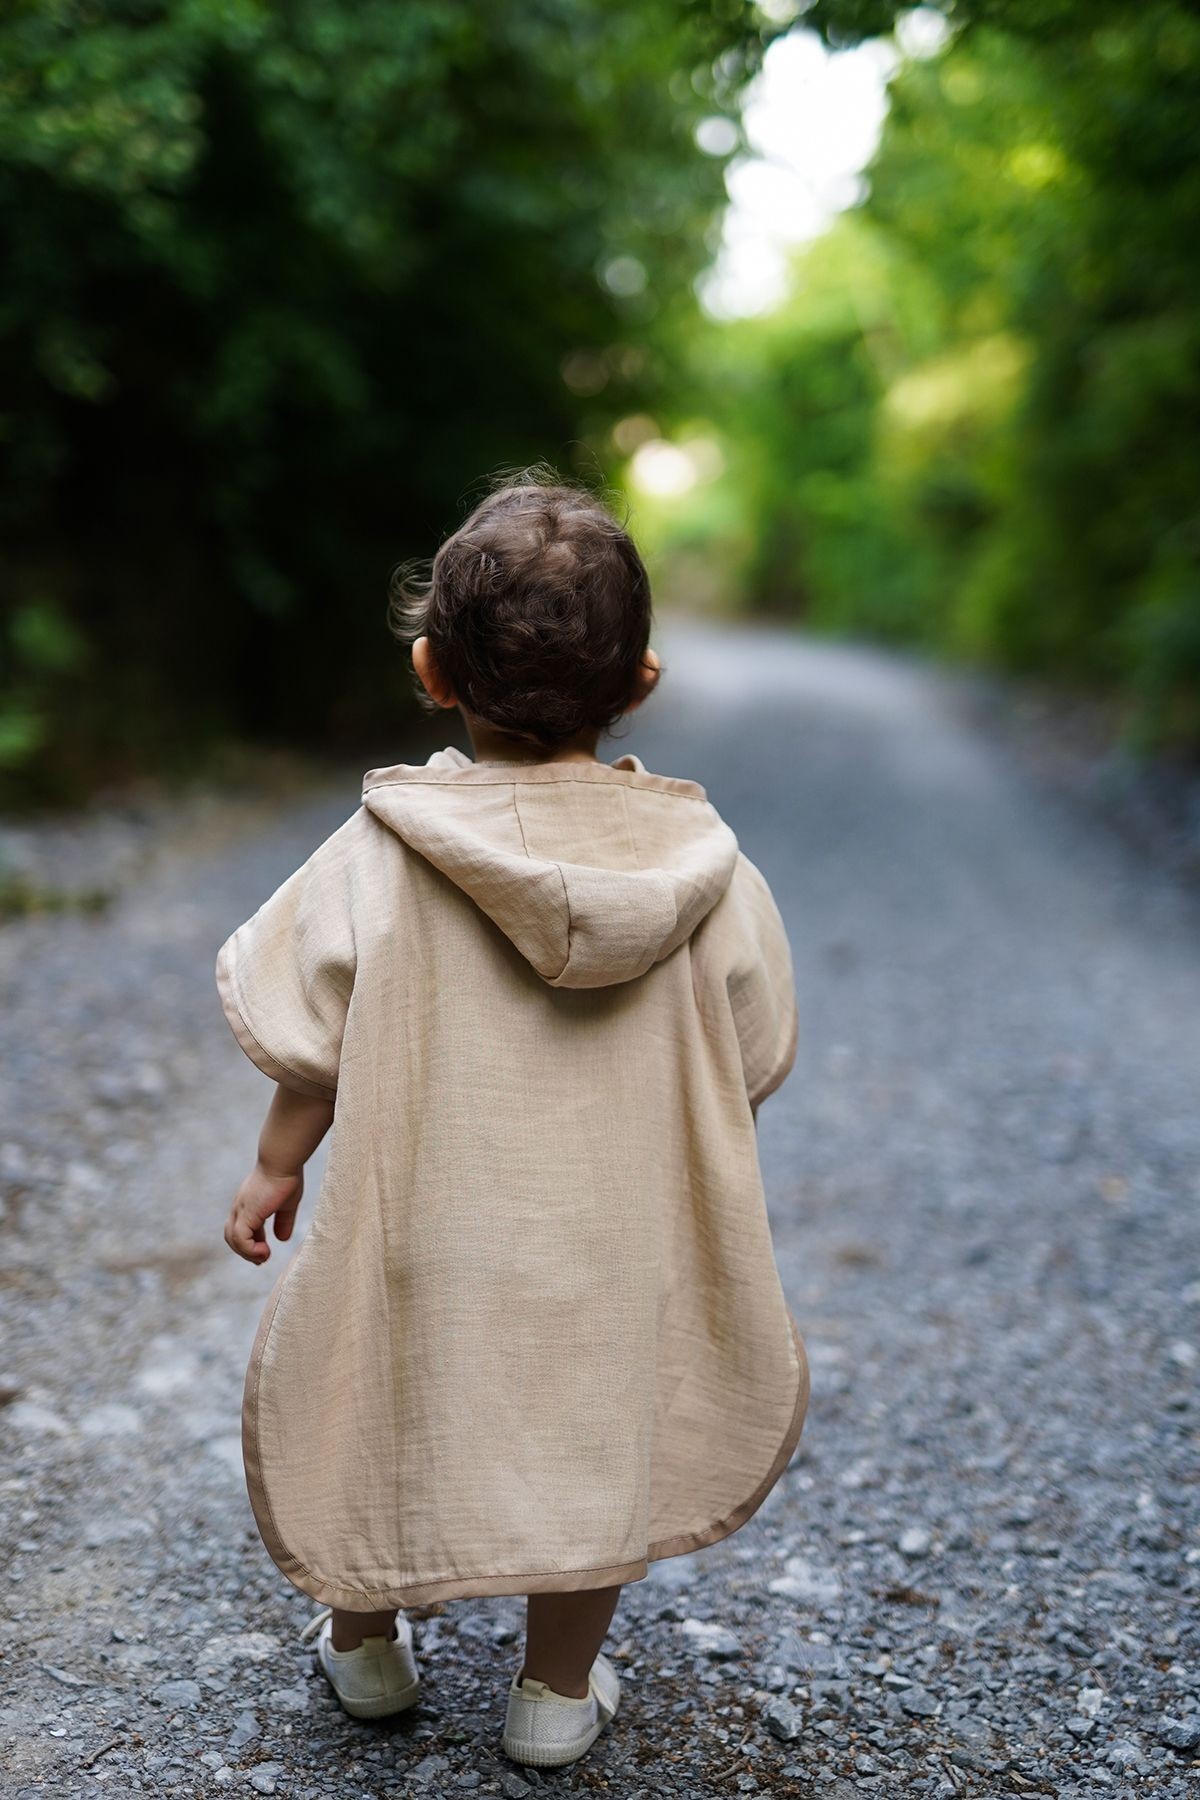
(974, 423)
(43, 646)
(845, 22)
(299, 276)
(283, 282)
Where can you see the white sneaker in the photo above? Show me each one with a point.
(377, 1679)
(545, 1730)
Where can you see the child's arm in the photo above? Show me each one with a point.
(294, 1126)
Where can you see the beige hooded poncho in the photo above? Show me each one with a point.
(535, 1337)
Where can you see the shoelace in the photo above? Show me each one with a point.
(314, 1625)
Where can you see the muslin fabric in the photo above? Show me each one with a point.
(535, 1336)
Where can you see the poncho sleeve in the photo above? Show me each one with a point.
(761, 987)
(285, 977)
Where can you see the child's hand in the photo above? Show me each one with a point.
(261, 1197)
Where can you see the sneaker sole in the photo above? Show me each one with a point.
(384, 1706)
(550, 1756)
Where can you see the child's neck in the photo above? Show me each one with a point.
(492, 746)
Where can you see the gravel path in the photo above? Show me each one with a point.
(978, 1576)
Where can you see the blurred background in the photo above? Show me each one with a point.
(885, 318)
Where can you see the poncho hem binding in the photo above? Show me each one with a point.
(331, 1592)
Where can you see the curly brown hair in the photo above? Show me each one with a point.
(537, 611)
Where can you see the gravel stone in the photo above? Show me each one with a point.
(244, 1732)
(710, 1639)
(1180, 1734)
(804, 1582)
(914, 1542)
(1126, 1755)
(178, 1693)
(918, 1703)
(783, 1720)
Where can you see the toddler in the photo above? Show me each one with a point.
(535, 1336)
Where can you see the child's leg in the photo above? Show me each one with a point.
(563, 1634)
(348, 1629)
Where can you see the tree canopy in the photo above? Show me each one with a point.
(281, 284)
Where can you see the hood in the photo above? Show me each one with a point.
(595, 871)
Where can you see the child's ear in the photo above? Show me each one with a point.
(428, 675)
(649, 675)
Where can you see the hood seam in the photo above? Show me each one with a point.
(520, 822)
(651, 784)
(516, 806)
(567, 904)
(637, 861)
